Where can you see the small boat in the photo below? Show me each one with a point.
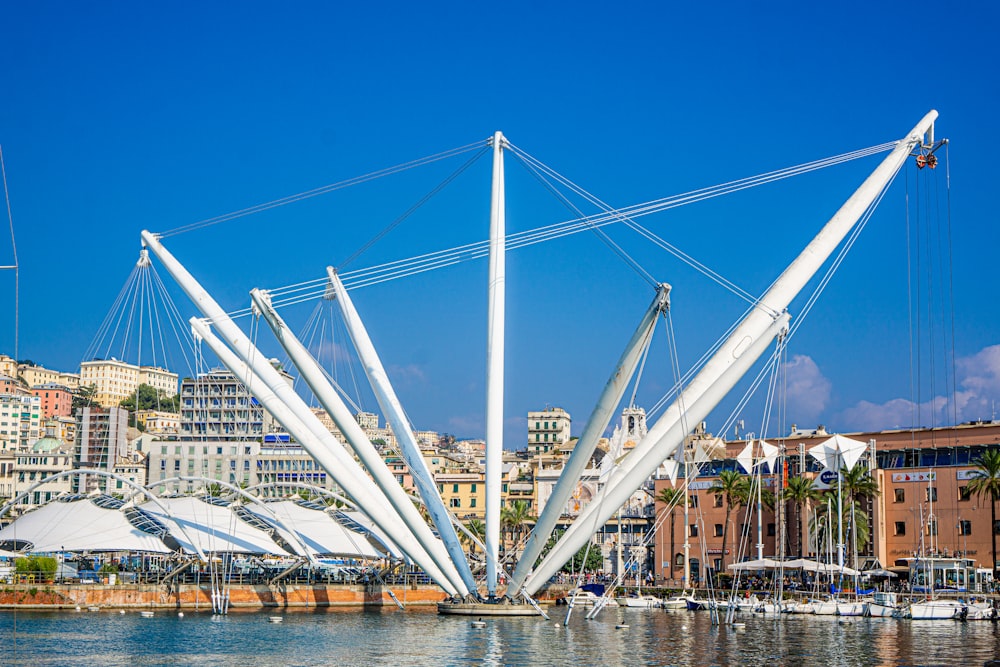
(852, 607)
(800, 607)
(980, 611)
(936, 610)
(884, 605)
(677, 601)
(639, 601)
(146, 614)
(275, 619)
(824, 607)
(587, 598)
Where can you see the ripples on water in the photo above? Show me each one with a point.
(353, 637)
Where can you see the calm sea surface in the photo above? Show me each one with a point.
(334, 637)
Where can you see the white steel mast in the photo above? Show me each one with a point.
(495, 366)
(573, 469)
(288, 408)
(724, 369)
(373, 462)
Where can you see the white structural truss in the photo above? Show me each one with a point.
(375, 489)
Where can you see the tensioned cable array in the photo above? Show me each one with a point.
(322, 190)
(308, 290)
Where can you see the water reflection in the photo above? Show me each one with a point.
(350, 637)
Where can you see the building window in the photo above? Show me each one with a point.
(693, 531)
(455, 502)
(964, 493)
(930, 494)
(770, 530)
(718, 500)
(693, 500)
(454, 489)
(472, 502)
(900, 528)
(718, 564)
(964, 527)
(932, 527)
(473, 488)
(900, 495)
(718, 530)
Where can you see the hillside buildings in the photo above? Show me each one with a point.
(113, 381)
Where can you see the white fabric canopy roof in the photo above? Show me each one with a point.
(79, 525)
(759, 564)
(319, 531)
(362, 522)
(211, 527)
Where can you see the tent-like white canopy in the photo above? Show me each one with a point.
(814, 566)
(753, 565)
(357, 521)
(316, 529)
(212, 527)
(81, 523)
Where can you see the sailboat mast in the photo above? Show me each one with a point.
(495, 366)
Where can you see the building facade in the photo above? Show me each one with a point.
(114, 381)
(548, 430)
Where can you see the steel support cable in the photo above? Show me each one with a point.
(102, 330)
(440, 259)
(315, 192)
(544, 233)
(410, 211)
(615, 248)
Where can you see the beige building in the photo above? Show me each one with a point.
(34, 376)
(548, 429)
(158, 422)
(114, 380)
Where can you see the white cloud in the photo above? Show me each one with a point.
(808, 391)
(408, 375)
(977, 375)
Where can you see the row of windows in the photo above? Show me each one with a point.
(454, 488)
(964, 527)
(931, 495)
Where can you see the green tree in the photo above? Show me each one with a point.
(514, 517)
(146, 397)
(860, 528)
(985, 483)
(44, 567)
(84, 396)
(732, 487)
(670, 497)
(478, 530)
(589, 556)
(802, 492)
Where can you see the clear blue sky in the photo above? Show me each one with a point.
(115, 117)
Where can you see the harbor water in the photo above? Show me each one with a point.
(416, 637)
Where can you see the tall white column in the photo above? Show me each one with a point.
(375, 464)
(703, 393)
(573, 469)
(495, 367)
(292, 412)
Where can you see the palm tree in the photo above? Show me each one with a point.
(513, 517)
(477, 529)
(730, 486)
(802, 492)
(670, 497)
(858, 484)
(985, 483)
(861, 529)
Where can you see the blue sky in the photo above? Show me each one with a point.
(115, 117)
